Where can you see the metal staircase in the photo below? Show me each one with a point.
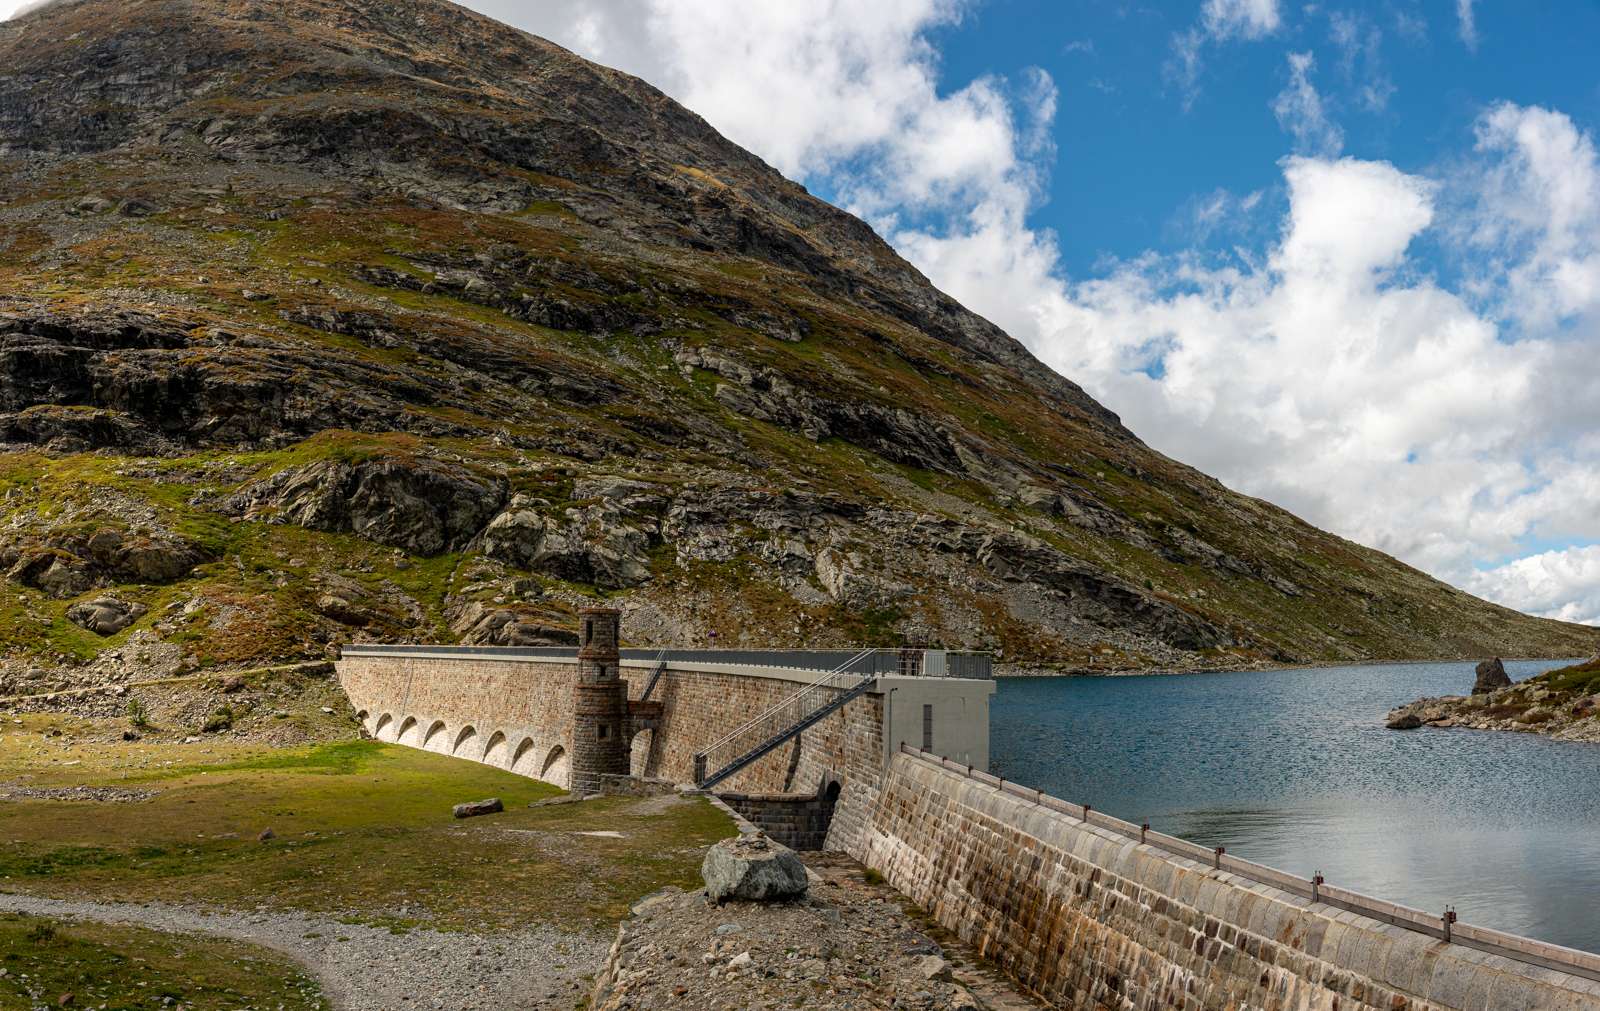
(784, 721)
(661, 665)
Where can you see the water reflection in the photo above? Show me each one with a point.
(1294, 769)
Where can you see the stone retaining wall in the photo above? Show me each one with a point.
(799, 821)
(1091, 919)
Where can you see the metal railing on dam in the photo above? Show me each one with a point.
(866, 663)
(1443, 926)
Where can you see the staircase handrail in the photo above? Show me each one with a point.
(661, 665)
(774, 709)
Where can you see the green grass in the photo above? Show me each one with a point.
(1579, 679)
(362, 831)
(118, 967)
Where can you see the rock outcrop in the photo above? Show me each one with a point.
(69, 563)
(419, 504)
(1491, 674)
(105, 615)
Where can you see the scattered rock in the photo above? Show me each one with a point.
(1409, 721)
(913, 943)
(477, 807)
(570, 798)
(103, 794)
(344, 612)
(231, 684)
(130, 735)
(1491, 675)
(752, 869)
(655, 899)
(266, 834)
(934, 967)
(106, 615)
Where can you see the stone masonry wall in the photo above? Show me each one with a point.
(1090, 919)
(797, 820)
(517, 714)
(514, 715)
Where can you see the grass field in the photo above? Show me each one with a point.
(362, 831)
(121, 967)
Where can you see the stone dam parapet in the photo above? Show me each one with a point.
(1089, 917)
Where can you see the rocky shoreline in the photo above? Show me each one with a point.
(1561, 704)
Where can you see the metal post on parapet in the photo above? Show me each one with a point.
(1316, 887)
(1448, 918)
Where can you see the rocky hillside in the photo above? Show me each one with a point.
(327, 320)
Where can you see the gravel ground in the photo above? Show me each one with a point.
(376, 969)
(845, 946)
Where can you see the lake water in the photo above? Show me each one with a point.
(1294, 769)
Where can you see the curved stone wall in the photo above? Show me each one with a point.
(517, 714)
(1092, 919)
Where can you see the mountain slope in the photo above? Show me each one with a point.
(339, 319)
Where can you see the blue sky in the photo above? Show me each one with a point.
(1134, 158)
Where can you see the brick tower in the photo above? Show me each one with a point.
(600, 738)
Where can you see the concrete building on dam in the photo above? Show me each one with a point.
(884, 754)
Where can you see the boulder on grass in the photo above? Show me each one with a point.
(1491, 675)
(477, 807)
(754, 869)
(105, 616)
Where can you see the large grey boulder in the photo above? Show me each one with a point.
(105, 616)
(754, 869)
(474, 808)
(1491, 675)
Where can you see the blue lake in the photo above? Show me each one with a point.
(1294, 769)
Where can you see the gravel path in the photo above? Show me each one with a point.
(375, 969)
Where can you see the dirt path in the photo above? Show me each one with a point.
(375, 969)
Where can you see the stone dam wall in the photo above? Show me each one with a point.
(1074, 906)
(514, 710)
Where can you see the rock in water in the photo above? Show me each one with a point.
(753, 869)
(477, 807)
(1410, 721)
(1491, 675)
